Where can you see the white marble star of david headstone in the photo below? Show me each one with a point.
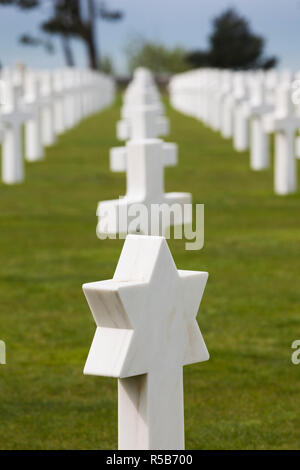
(146, 332)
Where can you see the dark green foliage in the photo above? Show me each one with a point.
(155, 56)
(232, 45)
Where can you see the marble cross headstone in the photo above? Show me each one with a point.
(33, 127)
(48, 108)
(224, 119)
(12, 118)
(241, 115)
(146, 332)
(145, 187)
(227, 109)
(142, 111)
(59, 100)
(69, 98)
(259, 144)
(142, 123)
(286, 123)
(214, 97)
(78, 96)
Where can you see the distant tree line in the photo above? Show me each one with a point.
(232, 45)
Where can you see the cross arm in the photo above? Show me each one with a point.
(285, 124)
(260, 110)
(118, 157)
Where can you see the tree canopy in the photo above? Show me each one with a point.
(232, 44)
(155, 56)
(69, 19)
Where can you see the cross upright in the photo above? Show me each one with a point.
(258, 108)
(69, 98)
(12, 117)
(33, 127)
(285, 123)
(118, 157)
(59, 98)
(214, 91)
(226, 125)
(78, 82)
(146, 332)
(142, 122)
(145, 187)
(48, 109)
(240, 113)
(225, 90)
(140, 96)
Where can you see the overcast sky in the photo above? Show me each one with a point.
(173, 22)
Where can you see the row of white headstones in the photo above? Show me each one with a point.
(247, 107)
(143, 158)
(146, 315)
(47, 103)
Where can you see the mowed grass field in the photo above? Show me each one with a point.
(248, 395)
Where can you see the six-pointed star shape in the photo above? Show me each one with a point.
(146, 314)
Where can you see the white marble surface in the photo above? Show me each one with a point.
(34, 149)
(118, 157)
(142, 123)
(286, 123)
(146, 332)
(259, 143)
(145, 187)
(12, 118)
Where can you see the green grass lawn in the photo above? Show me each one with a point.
(248, 395)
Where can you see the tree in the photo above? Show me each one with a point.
(70, 19)
(232, 45)
(155, 56)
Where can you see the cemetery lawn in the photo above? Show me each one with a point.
(248, 395)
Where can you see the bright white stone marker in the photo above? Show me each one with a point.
(142, 123)
(48, 103)
(225, 105)
(48, 109)
(33, 129)
(142, 111)
(241, 115)
(59, 101)
(118, 157)
(12, 119)
(286, 123)
(259, 145)
(146, 332)
(145, 187)
(145, 208)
